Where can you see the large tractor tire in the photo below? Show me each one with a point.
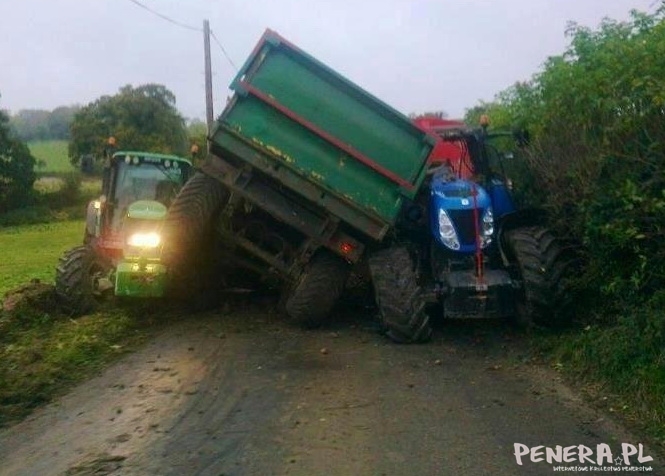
(398, 296)
(189, 220)
(540, 263)
(77, 280)
(189, 241)
(311, 300)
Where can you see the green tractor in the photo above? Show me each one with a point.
(122, 243)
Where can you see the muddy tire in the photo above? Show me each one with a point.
(540, 263)
(311, 300)
(189, 241)
(398, 296)
(76, 280)
(189, 220)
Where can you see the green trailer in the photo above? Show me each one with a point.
(307, 170)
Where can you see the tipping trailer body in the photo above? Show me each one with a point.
(344, 155)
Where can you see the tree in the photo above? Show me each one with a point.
(30, 124)
(39, 124)
(434, 114)
(196, 128)
(141, 118)
(60, 120)
(16, 169)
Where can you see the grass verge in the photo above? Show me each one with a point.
(28, 252)
(621, 366)
(43, 354)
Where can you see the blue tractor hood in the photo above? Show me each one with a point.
(452, 216)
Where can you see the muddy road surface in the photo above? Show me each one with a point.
(243, 393)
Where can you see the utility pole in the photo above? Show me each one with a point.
(208, 76)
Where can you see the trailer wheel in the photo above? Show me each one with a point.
(398, 296)
(189, 239)
(540, 263)
(77, 280)
(310, 301)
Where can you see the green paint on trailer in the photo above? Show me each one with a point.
(351, 115)
(319, 99)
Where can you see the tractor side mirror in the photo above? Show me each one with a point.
(93, 218)
(522, 138)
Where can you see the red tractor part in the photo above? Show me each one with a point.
(453, 153)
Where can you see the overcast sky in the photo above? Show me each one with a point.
(416, 55)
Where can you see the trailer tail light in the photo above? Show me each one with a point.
(346, 248)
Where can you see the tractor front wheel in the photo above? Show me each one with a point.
(399, 296)
(81, 280)
(540, 263)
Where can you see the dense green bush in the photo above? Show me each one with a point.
(597, 120)
(16, 170)
(62, 199)
(68, 194)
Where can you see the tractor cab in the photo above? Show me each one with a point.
(482, 186)
(139, 178)
(137, 189)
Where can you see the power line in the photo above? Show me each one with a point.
(188, 27)
(164, 17)
(212, 33)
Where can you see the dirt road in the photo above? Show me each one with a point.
(245, 394)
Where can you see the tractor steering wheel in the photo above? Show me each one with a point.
(436, 169)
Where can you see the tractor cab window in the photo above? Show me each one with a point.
(145, 181)
(495, 151)
(494, 158)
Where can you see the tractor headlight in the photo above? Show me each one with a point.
(145, 240)
(488, 227)
(447, 231)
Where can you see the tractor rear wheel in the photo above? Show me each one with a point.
(189, 241)
(311, 300)
(398, 296)
(540, 263)
(78, 278)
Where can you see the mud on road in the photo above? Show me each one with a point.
(243, 393)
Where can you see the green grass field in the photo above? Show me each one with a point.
(54, 155)
(32, 251)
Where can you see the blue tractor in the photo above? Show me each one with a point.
(464, 250)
